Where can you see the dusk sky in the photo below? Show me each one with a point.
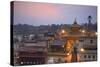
(36, 14)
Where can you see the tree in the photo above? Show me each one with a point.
(90, 25)
(89, 18)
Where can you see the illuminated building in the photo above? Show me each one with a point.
(81, 44)
(31, 53)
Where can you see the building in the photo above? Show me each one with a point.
(31, 53)
(81, 44)
(56, 51)
(76, 44)
(88, 48)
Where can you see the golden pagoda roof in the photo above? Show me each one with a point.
(75, 24)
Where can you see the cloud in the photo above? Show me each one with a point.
(36, 10)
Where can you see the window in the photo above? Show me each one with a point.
(89, 56)
(93, 56)
(84, 56)
(91, 41)
(81, 40)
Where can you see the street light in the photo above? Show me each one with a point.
(96, 33)
(63, 46)
(63, 31)
(82, 50)
(21, 62)
(83, 31)
(68, 54)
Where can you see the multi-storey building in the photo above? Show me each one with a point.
(31, 53)
(88, 48)
(80, 44)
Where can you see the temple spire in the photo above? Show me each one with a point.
(75, 22)
(75, 27)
